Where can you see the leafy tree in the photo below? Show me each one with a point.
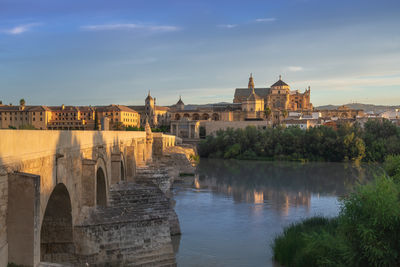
(27, 127)
(118, 126)
(22, 102)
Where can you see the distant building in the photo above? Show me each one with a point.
(277, 97)
(20, 116)
(156, 115)
(119, 115)
(66, 117)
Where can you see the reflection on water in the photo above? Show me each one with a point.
(231, 211)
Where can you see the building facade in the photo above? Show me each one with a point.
(67, 117)
(156, 115)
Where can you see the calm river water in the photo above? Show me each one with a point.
(232, 210)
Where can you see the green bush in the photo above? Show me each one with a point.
(311, 242)
(392, 166)
(370, 223)
(366, 232)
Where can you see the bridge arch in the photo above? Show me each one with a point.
(205, 116)
(122, 171)
(215, 117)
(195, 117)
(101, 188)
(56, 233)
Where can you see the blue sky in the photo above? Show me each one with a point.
(96, 52)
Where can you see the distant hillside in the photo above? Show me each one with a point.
(365, 107)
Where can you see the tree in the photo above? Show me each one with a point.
(96, 121)
(119, 126)
(22, 102)
(27, 127)
(284, 113)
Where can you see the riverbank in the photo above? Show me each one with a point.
(372, 143)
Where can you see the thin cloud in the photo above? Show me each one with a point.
(227, 26)
(265, 20)
(294, 68)
(130, 26)
(21, 28)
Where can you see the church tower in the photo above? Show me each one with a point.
(251, 82)
(180, 105)
(150, 110)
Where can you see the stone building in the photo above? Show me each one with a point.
(20, 116)
(278, 97)
(66, 117)
(155, 115)
(71, 118)
(250, 104)
(119, 115)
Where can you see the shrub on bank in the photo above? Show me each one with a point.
(311, 242)
(366, 232)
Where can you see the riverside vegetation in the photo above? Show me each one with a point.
(365, 233)
(372, 143)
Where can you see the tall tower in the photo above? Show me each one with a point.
(251, 82)
(180, 105)
(150, 109)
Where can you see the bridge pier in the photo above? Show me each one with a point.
(23, 219)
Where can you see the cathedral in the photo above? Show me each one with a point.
(251, 103)
(277, 97)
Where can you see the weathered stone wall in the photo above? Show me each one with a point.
(133, 229)
(3, 214)
(161, 142)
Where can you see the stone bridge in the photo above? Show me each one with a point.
(80, 197)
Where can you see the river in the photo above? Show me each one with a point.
(231, 210)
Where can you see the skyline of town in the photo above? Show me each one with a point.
(98, 53)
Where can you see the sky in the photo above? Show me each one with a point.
(99, 52)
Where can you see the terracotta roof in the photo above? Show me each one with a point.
(137, 108)
(115, 108)
(162, 108)
(26, 108)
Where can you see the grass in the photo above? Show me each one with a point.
(311, 242)
(185, 174)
